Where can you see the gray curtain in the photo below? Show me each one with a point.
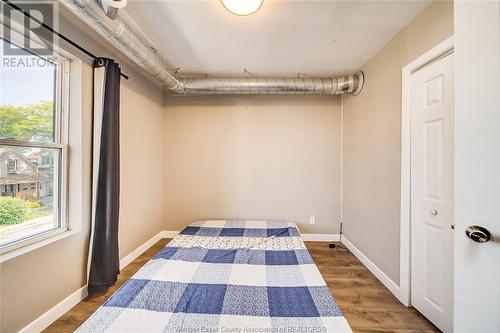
(104, 265)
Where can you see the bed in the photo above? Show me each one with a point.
(225, 276)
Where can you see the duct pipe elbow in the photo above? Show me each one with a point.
(111, 7)
(360, 82)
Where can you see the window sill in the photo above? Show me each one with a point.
(8, 255)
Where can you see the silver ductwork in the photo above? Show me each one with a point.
(133, 44)
(349, 84)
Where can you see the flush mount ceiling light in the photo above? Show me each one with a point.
(242, 7)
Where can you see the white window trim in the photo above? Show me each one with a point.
(72, 215)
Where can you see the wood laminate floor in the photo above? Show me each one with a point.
(368, 306)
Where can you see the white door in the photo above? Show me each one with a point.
(477, 165)
(432, 105)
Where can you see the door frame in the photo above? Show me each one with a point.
(436, 53)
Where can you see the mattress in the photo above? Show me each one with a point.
(225, 276)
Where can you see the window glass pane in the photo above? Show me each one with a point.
(27, 96)
(29, 202)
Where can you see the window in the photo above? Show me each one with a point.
(11, 166)
(33, 147)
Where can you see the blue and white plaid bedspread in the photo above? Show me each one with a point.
(225, 276)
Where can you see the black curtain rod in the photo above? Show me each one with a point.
(58, 34)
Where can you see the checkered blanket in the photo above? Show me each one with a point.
(225, 276)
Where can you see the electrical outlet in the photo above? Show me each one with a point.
(312, 219)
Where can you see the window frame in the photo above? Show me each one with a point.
(9, 167)
(79, 151)
(61, 143)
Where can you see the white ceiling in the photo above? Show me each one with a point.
(282, 38)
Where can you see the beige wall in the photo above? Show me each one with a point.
(142, 171)
(260, 157)
(372, 137)
(35, 282)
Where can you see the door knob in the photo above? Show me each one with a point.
(434, 212)
(478, 234)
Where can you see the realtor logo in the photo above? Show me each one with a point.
(25, 33)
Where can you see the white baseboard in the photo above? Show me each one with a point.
(170, 234)
(57, 311)
(386, 281)
(65, 305)
(320, 237)
(141, 249)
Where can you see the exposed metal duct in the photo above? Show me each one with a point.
(131, 43)
(349, 84)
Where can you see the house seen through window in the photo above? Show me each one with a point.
(32, 148)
